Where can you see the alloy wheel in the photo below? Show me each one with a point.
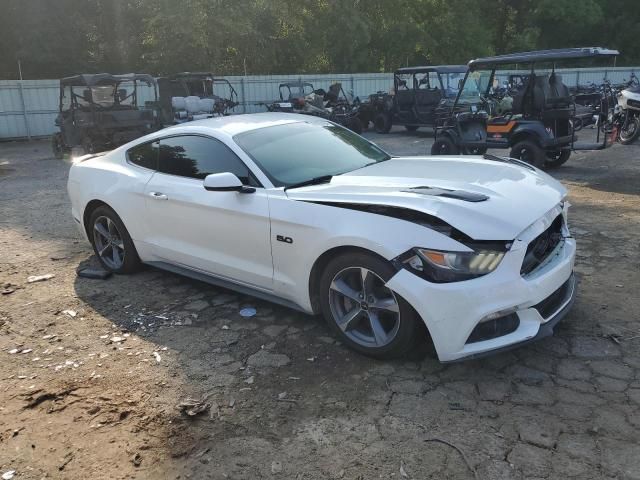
(364, 309)
(108, 242)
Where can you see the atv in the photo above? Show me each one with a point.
(102, 111)
(334, 105)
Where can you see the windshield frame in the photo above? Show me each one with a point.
(279, 184)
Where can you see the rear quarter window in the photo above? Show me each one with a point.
(145, 155)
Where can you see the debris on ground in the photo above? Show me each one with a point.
(156, 355)
(40, 278)
(93, 273)
(136, 460)
(193, 407)
(117, 339)
(8, 475)
(248, 312)
(276, 467)
(403, 472)
(7, 290)
(70, 313)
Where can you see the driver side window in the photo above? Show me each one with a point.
(194, 156)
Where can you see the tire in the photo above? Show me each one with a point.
(411, 128)
(444, 146)
(88, 146)
(112, 227)
(57, 146)
(529, 152)
(630, 134)
(354, 124)
(382, 123)
(397, 324)
(556, 159)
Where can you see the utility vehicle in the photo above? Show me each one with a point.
(418, 93)
(540, 126)
(102, 111)
(191, 96)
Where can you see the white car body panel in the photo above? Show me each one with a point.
(233, 236)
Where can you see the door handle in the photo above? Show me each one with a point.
(158, 196)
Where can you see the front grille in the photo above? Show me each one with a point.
(550, 305)
(542, 246)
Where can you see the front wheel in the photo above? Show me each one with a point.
(382, 123)
(444, 146)
(630, 129)
(530, 152)
(111, 241)
(57, 145)
(367, 315)
(555, 159)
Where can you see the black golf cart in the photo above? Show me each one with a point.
(335, 104)
(192, 96)
(539, 121)
(418, 93)
(102, 111)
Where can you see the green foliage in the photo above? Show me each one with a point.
(230, 37)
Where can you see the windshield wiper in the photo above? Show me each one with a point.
(313, 181)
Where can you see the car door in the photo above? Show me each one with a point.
(428, 96)
(224, 233)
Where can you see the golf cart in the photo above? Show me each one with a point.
(193, 96)
(335, 105)
(540, 118)
(101, 111)
(418, 93)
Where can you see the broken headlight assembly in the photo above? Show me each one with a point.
(443, 267)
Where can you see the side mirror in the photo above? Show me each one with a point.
(225, 182)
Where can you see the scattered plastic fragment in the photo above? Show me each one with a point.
(248, 312)
(156, 355)
(93, 273)
(40, 278)
(71, 313)
(8, 475)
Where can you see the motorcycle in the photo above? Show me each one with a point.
(628, 111)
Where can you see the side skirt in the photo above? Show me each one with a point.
(220, 282)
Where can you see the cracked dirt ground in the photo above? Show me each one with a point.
(85, 396)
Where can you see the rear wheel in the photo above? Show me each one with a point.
(555, 159)
(382, 123)
(443, 145)
(359, 307)
(630, 129)
(530, 152)
(111, 241)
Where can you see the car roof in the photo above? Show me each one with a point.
(235, 124)
(542, 56)
(434, 68)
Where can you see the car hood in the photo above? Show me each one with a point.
(513, 196)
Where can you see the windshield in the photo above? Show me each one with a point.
(451, 82)
(297, 152)
(475, 86)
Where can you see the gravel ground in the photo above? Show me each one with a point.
(92, 372)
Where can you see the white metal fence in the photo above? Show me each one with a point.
(28, 108)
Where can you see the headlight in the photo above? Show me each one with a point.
(443, 267)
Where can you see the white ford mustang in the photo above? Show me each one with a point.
(305, 213)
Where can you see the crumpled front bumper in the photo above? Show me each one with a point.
(451, 311)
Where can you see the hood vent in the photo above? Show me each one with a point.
(454, 194)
